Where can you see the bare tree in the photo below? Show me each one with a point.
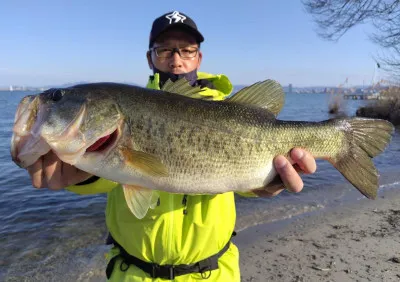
(335, 17)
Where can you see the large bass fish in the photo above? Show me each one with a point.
(169, 140)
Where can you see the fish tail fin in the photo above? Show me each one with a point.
(366, 139)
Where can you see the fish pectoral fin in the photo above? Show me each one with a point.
(146, 163)
(267, 94)
(182, 87)
(154, 199)
(140, 199)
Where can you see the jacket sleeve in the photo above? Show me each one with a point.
(97, 186)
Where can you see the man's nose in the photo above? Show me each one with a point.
(175, 60)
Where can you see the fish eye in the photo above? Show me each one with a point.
(57, 95)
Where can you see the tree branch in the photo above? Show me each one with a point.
(335, 17)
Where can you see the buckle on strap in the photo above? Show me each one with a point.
(163, 271)
(205, 267)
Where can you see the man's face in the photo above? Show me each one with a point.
(175, 64)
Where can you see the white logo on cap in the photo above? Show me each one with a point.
(176, 17)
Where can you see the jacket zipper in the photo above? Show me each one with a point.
(170, 225)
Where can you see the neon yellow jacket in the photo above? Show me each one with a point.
(167, 234)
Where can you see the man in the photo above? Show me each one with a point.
(185, 237)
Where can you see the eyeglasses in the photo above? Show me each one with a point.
(184, 53)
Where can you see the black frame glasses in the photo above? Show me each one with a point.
(167, 52)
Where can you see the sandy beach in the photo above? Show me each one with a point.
(359, 242)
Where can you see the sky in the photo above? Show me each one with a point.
(57, 42)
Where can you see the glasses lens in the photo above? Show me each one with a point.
(163, 52)
(188, 52)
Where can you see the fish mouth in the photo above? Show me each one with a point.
(105, 143)
(26, 145)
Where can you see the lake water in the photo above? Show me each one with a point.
(59, 236)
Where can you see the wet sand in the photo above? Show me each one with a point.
(359, 242)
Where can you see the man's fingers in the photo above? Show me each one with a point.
(304, 160)
(291, 179)
(76, 175)
(289, 172)
(36, 173)
(52, 171)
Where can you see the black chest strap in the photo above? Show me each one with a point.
(204, 267)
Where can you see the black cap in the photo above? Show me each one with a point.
(174, 19)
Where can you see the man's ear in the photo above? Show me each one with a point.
(200, 58)
(149, 61)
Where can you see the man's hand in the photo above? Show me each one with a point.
(301, 161)
(50, 172)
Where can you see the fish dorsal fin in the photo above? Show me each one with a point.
(140, 199)
(182, 87)
(267, 94)
(143, 162)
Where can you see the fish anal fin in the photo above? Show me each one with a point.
(275, 185)
(267, 94)
(140, 199)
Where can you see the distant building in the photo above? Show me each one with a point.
(290, 88)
